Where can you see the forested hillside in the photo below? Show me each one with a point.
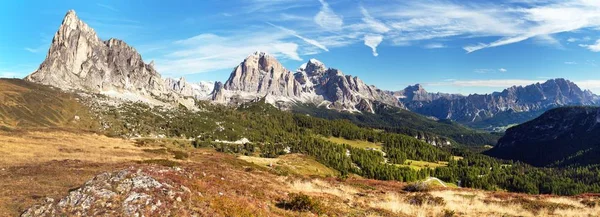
(567, 136)
(402, 121)
(272, 132)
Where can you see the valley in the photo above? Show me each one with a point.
(224, 185)
(96, 131)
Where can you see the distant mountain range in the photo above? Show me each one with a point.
(513, 105)
(567, 136)
(78, 59)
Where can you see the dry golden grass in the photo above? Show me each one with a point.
(41, 146)
(40, 164)
(294, 164)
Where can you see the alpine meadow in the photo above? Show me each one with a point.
(228, 108)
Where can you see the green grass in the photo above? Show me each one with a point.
(293, 164)
(28, 105)
(355, 143)
(418, 165)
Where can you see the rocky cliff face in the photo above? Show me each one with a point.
(78, 59)
(533, 99)
(262, 75)
(200, 90)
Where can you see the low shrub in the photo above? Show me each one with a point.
(179, 155)
(300, 202)
(417, 187)
(589, 203)
(425, 198)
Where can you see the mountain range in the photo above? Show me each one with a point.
(513, 105)
(79, 59)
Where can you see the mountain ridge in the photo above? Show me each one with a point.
(563, 136)
(261, 75)
(526, 101)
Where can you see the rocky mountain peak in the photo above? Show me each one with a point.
(78, 59)
(261, 75)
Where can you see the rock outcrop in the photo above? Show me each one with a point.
(130, 192)
(200, 90)
(79, 59)
(261, 75)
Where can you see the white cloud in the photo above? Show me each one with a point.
(592, 47)
(307, 40)
(108, 7)
(211, 52)
(593, 85)
(571, 63)
(328, 19)
(502, 70)
(505, 83)
(373, 41)
(293, 17)
(484, 71)
(4, 74)
(373, 23)
(485, 83)
(41, 48)
(435, 46)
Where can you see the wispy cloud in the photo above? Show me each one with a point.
(108, 7)
(307, 40)
(5, 74)
(328, 19)
(505, 83)
(592, 47)
(293, 17)
(502, 70)
(373, 23)
(571, 63)
(435, 46)
(211, 52)
(41, 48)
(486, 83)
(373, 41)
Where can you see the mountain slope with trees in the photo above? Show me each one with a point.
(567, 136)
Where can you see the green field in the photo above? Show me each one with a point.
(417, 165)
(354, 143)
(294, 164)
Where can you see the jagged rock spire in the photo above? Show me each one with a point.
(78, 59)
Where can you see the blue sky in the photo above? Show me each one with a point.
(449, 46)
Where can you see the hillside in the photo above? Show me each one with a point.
(565, 136)
(25, 104)
(209, 183)
(438, 133)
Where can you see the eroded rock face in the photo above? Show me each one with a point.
(262, 75)
(78, 59)
(132, 192)
(200, 90)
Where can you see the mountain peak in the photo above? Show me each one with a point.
(313, 67)
(78, 59)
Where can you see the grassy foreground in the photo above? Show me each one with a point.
(38, 165)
